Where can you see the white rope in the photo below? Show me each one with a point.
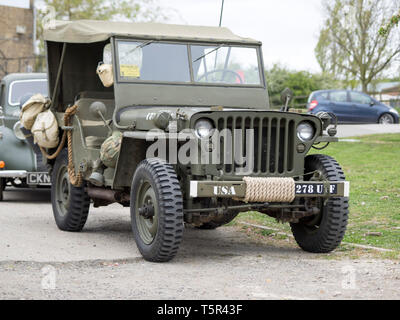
(269, 189)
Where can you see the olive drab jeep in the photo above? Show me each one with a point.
(174, 122)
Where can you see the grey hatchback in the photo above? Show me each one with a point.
(351, 107)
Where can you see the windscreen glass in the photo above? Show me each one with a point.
(26, 88)
(226, 65)
(150, 61)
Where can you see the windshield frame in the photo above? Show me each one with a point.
(13, 104)
(192, 81)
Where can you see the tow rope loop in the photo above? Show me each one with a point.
(269, 189)
(75, 179)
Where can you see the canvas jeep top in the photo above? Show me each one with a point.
(176, 124)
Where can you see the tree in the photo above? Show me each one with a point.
(301, 82)
(350, 46)
(393, 22)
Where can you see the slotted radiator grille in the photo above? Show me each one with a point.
(266, 142)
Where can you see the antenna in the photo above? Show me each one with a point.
(222, 11)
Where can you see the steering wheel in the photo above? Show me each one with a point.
(221, 70)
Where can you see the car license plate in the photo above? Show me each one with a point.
(38, 178)
(315, 188)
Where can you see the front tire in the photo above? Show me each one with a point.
(386, 119)
(323, 233)
(156, 210)
(70, 203)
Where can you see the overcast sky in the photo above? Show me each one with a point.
(288, 28)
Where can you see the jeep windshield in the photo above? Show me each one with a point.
(188, 63)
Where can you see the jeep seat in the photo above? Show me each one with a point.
(93, 128)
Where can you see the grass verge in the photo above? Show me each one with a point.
(372, 166)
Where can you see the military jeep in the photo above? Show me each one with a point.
(193, 139)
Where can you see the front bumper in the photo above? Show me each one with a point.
(237, 190)
(13, 173)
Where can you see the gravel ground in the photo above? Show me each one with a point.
(37, 261)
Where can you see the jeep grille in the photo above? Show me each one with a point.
(273, 143)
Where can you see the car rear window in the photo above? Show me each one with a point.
(318, 95)
(339, 96)
(22, 88)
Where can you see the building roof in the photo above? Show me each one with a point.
(89, 31)
(394, 90)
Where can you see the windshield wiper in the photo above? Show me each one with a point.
(142, 45)
(206, 54)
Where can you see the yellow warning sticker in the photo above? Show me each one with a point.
(129, 70)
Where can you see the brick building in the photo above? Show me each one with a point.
(17, 38)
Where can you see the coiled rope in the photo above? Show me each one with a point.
(269, 189)
(75, 179)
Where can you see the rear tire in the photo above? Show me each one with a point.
(386, 119)
(70, 203)
(156, 190)
(323, 233)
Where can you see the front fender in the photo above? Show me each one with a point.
(16, 154)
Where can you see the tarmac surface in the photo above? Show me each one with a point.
(348, 130)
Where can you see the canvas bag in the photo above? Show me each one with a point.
(110, 149)
(105, 73)
(35, 105)
(45, 130)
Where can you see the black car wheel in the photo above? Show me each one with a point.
(156, 210)
(324, 232)
(386, 119)
(70, 203)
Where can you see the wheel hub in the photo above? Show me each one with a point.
(147, 211)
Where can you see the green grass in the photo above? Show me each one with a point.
(373, 168)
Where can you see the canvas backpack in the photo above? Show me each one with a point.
(35, 105)
(45, 130)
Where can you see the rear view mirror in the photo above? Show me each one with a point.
(286, 97)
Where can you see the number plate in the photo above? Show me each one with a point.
(315, 189)
(38, 179)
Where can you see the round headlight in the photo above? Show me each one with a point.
(305, 131)
(203, 129)
(18, 132)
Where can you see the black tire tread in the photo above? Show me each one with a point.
(334, 223)
(170, 200)
(78, 212)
